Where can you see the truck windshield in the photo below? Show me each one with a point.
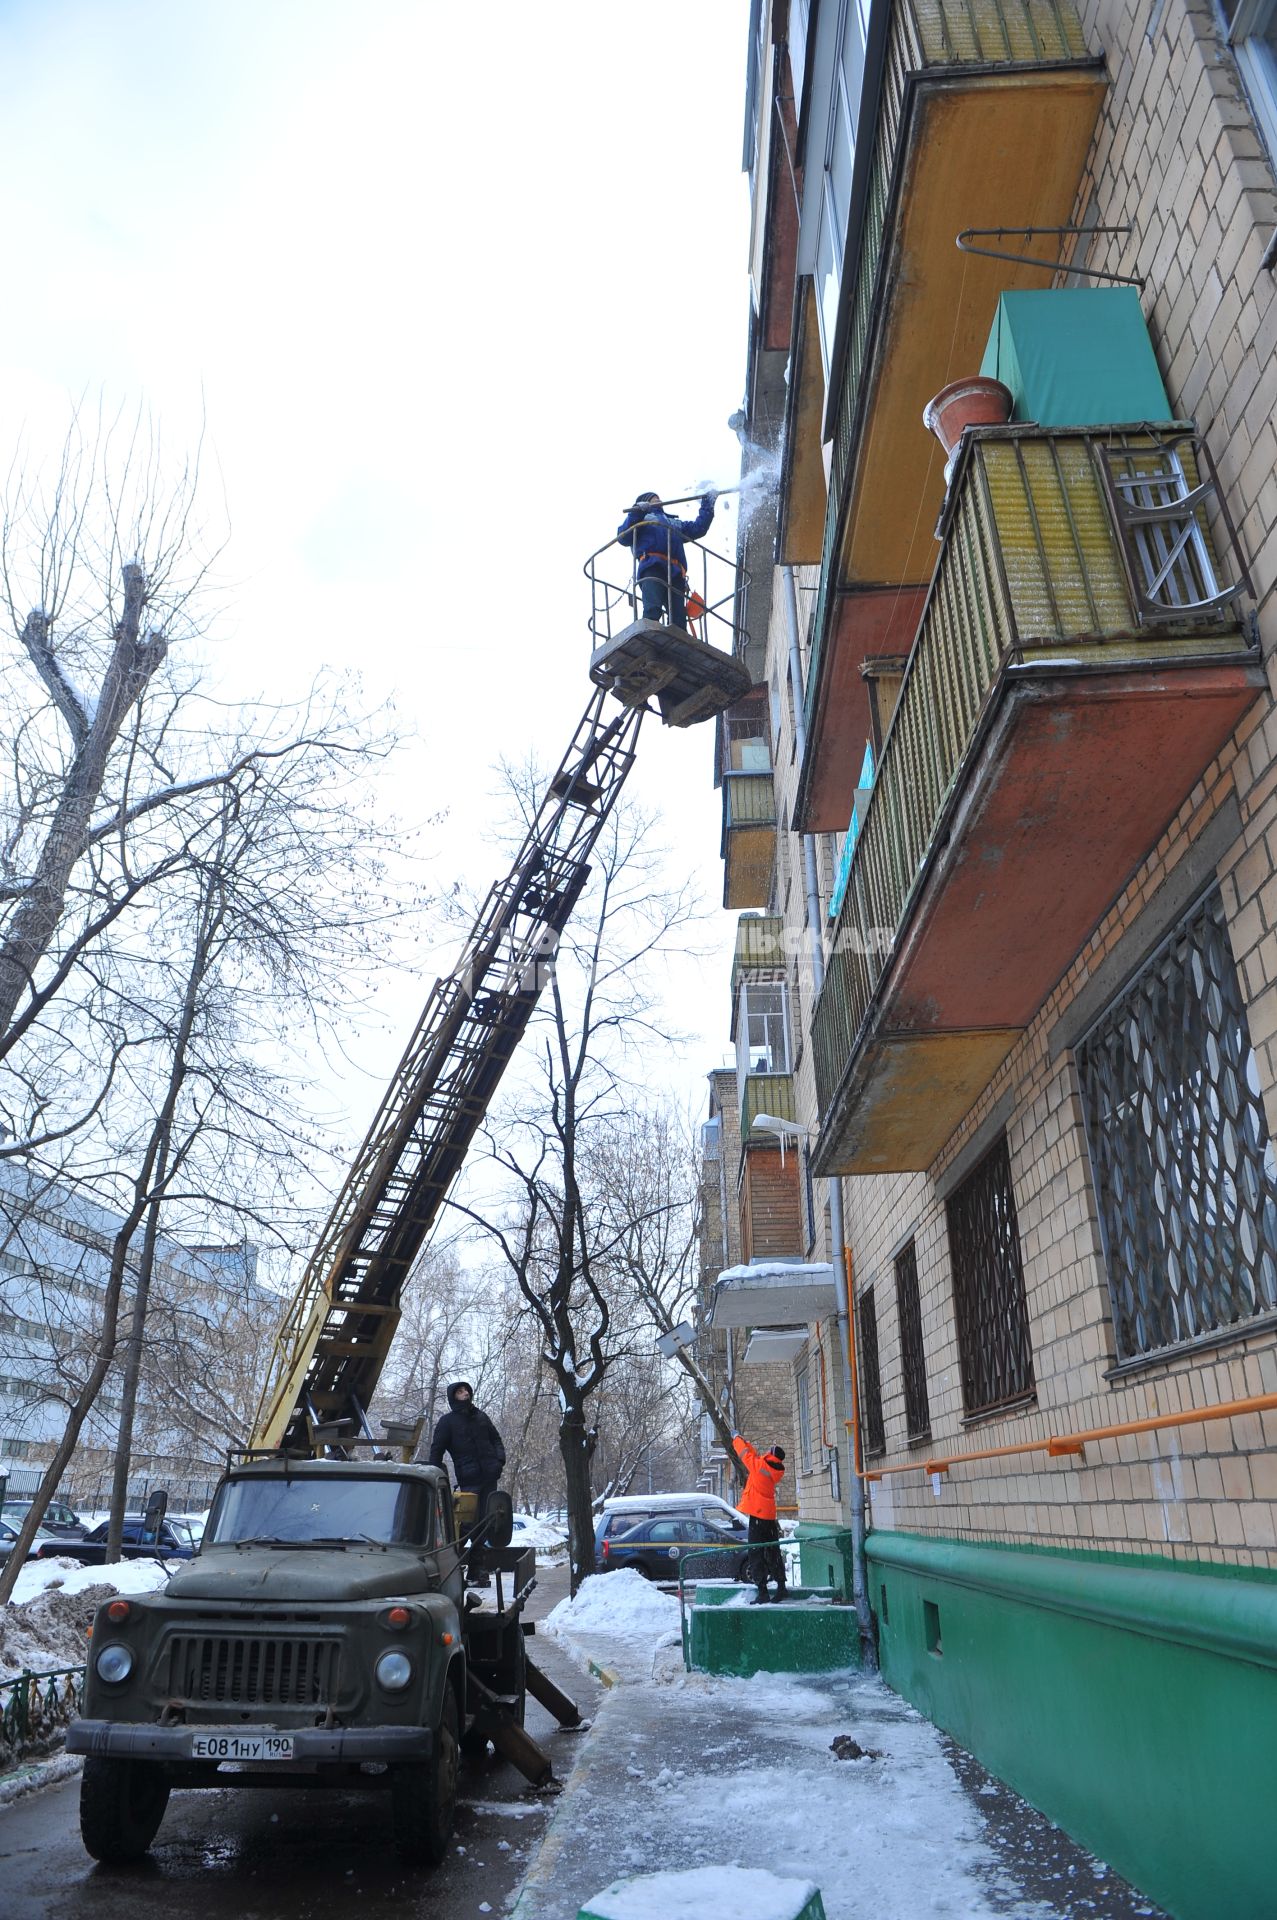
(346, 1511)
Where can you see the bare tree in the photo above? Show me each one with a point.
(644, 1166)
(279, 895)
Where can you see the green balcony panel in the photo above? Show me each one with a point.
(766, 1093)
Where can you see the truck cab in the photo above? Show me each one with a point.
(321, 1630)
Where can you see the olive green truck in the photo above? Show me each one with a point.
(323, 1635)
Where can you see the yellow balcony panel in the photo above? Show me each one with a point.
(748, 840)
(907, 1095)
(979, 150)
(1048, 728)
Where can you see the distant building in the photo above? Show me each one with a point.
(55, 1256)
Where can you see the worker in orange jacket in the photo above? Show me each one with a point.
(758, 1503)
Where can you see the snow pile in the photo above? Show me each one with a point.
(45, 1626)
(618, 1618)
(529, 1531)
(121, 1576)
(746, 1893)
(48, 1632)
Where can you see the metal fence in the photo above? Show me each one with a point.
(34, 1707)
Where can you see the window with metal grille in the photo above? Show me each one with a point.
(870, 1377)
(988, 1288)
(1185, 1172)
(913, 1360)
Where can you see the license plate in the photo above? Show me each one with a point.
(241, 1746)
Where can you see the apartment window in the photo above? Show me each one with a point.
(988, 1288)
(762, 1028)
(870, 1376)
(1185, 1172)
(913, 1359)
(803, 1385)
(809, 1196)
(1252, 34)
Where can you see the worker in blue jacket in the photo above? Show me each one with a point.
(660, 558)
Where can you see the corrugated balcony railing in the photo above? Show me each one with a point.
(985, 116)
(766, 1093)
(1079, 662)
(749, 838)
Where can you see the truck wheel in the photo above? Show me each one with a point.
(121, 1805)
(424, 1798)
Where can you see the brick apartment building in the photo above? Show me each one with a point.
(1000, 819)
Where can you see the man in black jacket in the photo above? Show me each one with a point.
(473, 1442)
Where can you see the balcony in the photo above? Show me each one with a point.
(985, 117)
(748, 843)
(1077, 668)
(766, 1093)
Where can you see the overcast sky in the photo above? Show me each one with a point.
(449, 283)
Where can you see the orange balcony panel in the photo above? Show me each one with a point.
(977, 146)
(864, 626)
(804, 492)
(1078, 777)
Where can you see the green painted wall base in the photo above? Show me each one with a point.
(1134, 1701)
(708, 1893)
(785, 1637)
(824, 1558)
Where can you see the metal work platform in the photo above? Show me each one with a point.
(688, 679)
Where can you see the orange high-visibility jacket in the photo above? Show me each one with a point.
(765, 1475)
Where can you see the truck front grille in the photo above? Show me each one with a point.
(252, 1670)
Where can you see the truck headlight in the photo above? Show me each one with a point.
(393, 1671)
(113, 1664)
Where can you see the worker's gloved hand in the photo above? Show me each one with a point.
(709, 497)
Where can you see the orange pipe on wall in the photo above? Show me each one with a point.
(820, 1348)
(857, 1465)
(1065, 1444)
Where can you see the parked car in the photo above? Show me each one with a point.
(656, 1548)
(9, 1540)
(618, 1516)
(58, 1517)
(174, 1541)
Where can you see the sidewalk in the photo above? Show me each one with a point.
(683, 1770)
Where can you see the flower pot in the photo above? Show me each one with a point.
(975, 402)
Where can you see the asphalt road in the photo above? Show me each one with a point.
(300, 1854)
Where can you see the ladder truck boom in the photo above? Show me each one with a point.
(337, 1331)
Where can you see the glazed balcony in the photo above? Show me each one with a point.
(1078, 665)
(748, 844)
(985, 116)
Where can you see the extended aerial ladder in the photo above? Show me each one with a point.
(330, 1349)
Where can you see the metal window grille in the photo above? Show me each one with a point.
(1185, 1172)
(988, 1288)
(1157, 498)
(809, 1196)
(871, 1378)
(914, 1364)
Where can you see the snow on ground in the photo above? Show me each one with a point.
(716, 1767)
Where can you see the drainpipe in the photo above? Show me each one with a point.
(833, 1188)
